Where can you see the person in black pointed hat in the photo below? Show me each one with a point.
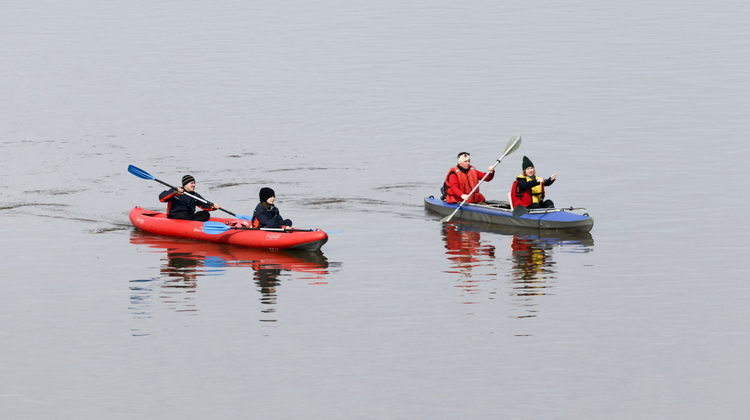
(266, 214)
(180, 204)
(528, 189)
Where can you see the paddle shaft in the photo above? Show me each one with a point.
(272, 229)
(513, 144)
(190, 195)
(211, 227)
(217, 228)
(474, 189)
(555, 209)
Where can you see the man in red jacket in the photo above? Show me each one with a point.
(462, 178)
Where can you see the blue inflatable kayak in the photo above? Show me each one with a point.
(500, 213)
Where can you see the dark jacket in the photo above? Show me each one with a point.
(269, 217)
(181, 206)
(521, 190)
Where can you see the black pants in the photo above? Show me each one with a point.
(546, 204)
(200, 216)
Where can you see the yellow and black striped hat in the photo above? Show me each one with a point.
(187, 179)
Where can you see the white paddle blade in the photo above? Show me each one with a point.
(513, 145)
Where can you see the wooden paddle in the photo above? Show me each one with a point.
(513, 144)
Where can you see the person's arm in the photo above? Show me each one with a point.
(525, 184)
(453, 187)
(266, 218)
(207, 206)
(170, 194)
(550, 180)
(167, 195)
(276, 220)
(489, 177)
(280, 221)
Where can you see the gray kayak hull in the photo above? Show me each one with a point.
(499, 213)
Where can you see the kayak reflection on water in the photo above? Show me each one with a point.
(471, 259)
(471, 253)
(465, 250)
(185, 261)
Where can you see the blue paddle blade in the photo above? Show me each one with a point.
(214, 228)
(140, 173)
(241, 217)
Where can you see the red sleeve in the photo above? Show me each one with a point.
(205, 206)
(167, 197)
(482, 174)
(453, 189)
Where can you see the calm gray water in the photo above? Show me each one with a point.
(353, 112)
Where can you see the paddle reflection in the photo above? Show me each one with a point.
(184, 262)
(532, 273)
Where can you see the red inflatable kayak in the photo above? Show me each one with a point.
(157, 223)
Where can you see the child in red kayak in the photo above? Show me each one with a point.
(266, 214)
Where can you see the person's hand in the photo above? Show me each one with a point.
(216, 206)
(464, 196)
(180, 190)
(491, 170)
(553, 177)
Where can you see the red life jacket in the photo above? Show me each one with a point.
(466, 182)
(524, 197)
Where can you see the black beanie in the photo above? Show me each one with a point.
(265, 194)
(187, 179)
(526, 163)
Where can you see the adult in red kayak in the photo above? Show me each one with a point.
(266, 214)
(528, 189)
(181, 206)
(462, 178)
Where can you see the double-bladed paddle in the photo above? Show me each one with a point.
(216, 228)
(140, 173)
(513, 144)
(519, 211)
